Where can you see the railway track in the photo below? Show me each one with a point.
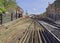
(51, 23)
(38, 35)
(49, 36)
(35, 32)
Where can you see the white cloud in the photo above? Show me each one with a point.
(34, 9)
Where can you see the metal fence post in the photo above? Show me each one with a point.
(16, 14)
(1, 18)
(11, 16)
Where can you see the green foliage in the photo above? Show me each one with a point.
(6, 4)
(1, 2)
(2, 10)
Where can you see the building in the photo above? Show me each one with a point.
(57, 9)
(50, 10)
(19, 12)
(53, 10)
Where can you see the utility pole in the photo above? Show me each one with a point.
(26, 12)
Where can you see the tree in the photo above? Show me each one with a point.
(8, 4)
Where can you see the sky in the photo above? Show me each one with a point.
(34, 6)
